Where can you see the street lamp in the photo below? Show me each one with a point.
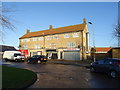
(93, 40)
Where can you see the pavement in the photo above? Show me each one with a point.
(84, 63)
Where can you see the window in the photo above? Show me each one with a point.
(22, 40)
(27, 40)
(101, 61)
(40, 38)
(75, 35)
(34, 39)
(66, 35)
(55, 36)
(36, 46)
(52, 45)
(48, 38)
(71, 44)
(25, 47)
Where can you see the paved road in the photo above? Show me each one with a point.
(66, 76)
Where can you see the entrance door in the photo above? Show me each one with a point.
(61, 53)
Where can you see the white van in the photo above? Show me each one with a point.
(13, 55)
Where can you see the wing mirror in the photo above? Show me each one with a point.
(110, 63)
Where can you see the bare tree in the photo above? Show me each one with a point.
(117, 30)
(6, 21)
(117, 33)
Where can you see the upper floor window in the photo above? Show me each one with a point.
(36, 46)
(66, 35)
(34, 39)
(55, 36)
(27, 40)
(71, 44)
(75, 34)
(22, 40)
(52, 45)
(40, 38)
(48, 38)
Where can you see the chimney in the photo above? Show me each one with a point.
(50, 27)
(84, 21)
(27, 31)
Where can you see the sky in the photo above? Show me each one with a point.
(38, 16)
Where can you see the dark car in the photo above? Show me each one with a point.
(37, 59)
(110, 66)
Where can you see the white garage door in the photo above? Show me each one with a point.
(72, 55)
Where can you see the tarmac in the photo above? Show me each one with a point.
(81, 63)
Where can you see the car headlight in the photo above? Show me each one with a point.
(91, 64)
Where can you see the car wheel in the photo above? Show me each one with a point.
(113, 74)
(6, 59)
(92, 69)
(39, 61)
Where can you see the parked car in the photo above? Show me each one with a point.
(13, 55)
(110, 66)
(37, 59)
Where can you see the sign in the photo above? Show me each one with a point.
(71, 49)
(24, 53)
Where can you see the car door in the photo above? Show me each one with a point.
(107, 65)
(35, 58)
(100, 66)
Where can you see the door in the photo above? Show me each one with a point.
(100, 66)
(61, 55)
(72, 55)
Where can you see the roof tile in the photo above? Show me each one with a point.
(71, 28)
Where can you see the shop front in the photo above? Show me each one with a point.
(71, 54)
(52, 54)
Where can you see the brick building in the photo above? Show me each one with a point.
(68, 43)
(106, 52)
(115, 52)
(101, 52)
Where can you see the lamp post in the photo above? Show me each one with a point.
(93, 40)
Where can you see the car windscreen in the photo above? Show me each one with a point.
(43, 56)
(36, 56)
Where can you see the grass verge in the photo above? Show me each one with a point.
(17, 78)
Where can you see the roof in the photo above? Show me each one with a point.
(116, 48)
(103, 49)
(7, 48)
(52, 31)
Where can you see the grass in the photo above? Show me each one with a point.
(16, 77)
